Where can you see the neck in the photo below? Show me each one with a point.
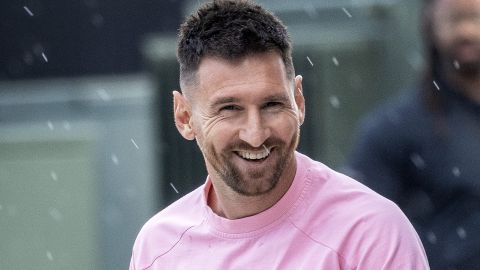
(227, 203)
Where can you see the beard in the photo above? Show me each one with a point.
(470, 70)
(253, 182)
(465, 64)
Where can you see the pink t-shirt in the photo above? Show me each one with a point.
(326, 220)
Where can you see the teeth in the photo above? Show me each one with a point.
(254, 155)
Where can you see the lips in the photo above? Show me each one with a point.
(253, 155)
(466, 50)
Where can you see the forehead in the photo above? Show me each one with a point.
(249, 76)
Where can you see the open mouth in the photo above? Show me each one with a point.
(254, 155)
(466, 50)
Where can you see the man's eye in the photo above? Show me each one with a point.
(229, 108)
(272, 104)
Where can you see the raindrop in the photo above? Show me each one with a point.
(310, 61)
(115, 159)
(461, 233)
(456, 64)
(415, 59)
(417, 160)
(335, 61)
(134, 143)
(334, 102)
(50, 125)
(66, 125)
(346, 12)
(174, 188)
(44, 57)
(49, 256)
(456, 171)
(28, 11)
(55, 214)
(102, 93)
(97, 20)
(310, 10)
(432, 238)
(436, 85)
(266, 149)
(54, 176)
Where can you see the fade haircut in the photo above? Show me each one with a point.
(230, 30)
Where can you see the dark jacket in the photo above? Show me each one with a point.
(429, 164)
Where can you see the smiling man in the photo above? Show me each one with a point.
(263, 205)
(245, 117)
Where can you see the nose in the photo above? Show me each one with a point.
(254, 131)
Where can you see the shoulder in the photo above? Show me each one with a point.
(330, 191)
(362, 227)
(340, 192)
(164, 230)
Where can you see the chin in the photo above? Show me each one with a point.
(470, 70)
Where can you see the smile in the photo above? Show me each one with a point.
(253, 155)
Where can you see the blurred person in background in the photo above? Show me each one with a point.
(263, 205)
(422, 150)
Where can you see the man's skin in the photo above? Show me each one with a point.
(246, 117)
(456, 27)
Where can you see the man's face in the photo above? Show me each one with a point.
(457, 33)
(246, 117)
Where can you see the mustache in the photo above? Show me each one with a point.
(239, 144)
(466, 42)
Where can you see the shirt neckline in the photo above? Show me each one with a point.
(252, 225)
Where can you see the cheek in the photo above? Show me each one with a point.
(442, 37)
(216, 134)
(443, 32)
(292, 117)
(287, 125)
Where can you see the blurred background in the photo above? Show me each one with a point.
(88, 149)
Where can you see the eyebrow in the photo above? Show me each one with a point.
(277, 98)
(227, 100)
(224, 100)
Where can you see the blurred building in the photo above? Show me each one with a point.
(78, 166)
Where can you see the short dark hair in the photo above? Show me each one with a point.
(230, 30)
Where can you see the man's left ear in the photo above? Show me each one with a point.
(182, 113)
(299, 99)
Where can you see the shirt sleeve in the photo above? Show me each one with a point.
(132, 266)
(389, 242)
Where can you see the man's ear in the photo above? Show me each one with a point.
(299, 99)
(182, 113)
